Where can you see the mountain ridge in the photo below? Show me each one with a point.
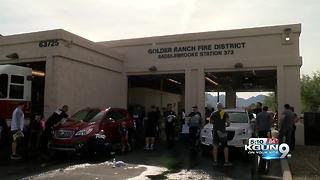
(211, 100)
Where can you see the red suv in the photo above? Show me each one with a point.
(77, 133)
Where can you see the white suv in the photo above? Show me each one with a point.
(238, 133)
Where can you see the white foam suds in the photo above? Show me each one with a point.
(150, 170)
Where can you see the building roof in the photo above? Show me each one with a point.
(225, 34)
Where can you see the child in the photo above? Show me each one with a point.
(35, 132)
(124, 137)
(99, 142)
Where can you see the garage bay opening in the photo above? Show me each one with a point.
(158, 90)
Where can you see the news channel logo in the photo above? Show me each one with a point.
(268, 148)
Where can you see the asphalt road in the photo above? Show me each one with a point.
(176, 162)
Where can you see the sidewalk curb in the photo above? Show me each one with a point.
(286, 172)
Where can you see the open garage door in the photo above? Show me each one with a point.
(38, 85)
(228, 87)
(145, 91)
(157, 90)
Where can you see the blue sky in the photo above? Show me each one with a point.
(101, 20)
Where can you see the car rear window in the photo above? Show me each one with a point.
(86, 115)
(238, 117)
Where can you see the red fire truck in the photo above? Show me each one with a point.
(15, 87)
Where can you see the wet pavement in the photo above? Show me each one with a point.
(305, 162)
(178, 162)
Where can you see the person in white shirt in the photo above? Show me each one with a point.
(17, 124)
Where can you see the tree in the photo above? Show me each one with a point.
(270, 101)
(310, 92)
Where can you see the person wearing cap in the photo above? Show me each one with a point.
(194, 125)
(220, 121)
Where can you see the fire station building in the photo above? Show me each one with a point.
(176, 69)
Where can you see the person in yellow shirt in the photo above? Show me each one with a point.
(220, 121)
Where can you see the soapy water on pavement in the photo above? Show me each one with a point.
(150, 170)
(52, 173)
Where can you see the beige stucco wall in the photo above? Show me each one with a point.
(79, 72)
(263, 48)
(289, 93)
(148, 97)
(80, 85)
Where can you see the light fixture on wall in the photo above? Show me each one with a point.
(38, 73)
(287, 32)
(287, 36)
(238, 65)
(13, 56)
(211, 81)
(153, 69)
(68, 44)
(174, 81)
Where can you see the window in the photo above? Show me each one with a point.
(16, 91)
(109, 115)
(85, 115)
(3, 85)
(119, 115)
(98, 116)
(80, 115)
(116, 115)
(238, 117)
(16, 87)
(17, 79)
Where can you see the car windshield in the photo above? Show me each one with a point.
(86, 115)
(238, 117)
(98, 116)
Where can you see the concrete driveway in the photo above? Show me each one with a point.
(177, 162)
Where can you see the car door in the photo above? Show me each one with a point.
(110, 126)
(120, 116)
(113, 120)
(127, 119)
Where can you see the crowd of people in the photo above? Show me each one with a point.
(287, 127)
(40, 132)
(167, 124)
(35, 136)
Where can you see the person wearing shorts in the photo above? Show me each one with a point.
(170, 118)
(151, 125)
(124, 133)
(17, 124)
(220, 121)
(194, 123)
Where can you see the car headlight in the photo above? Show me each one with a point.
(84, 132)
